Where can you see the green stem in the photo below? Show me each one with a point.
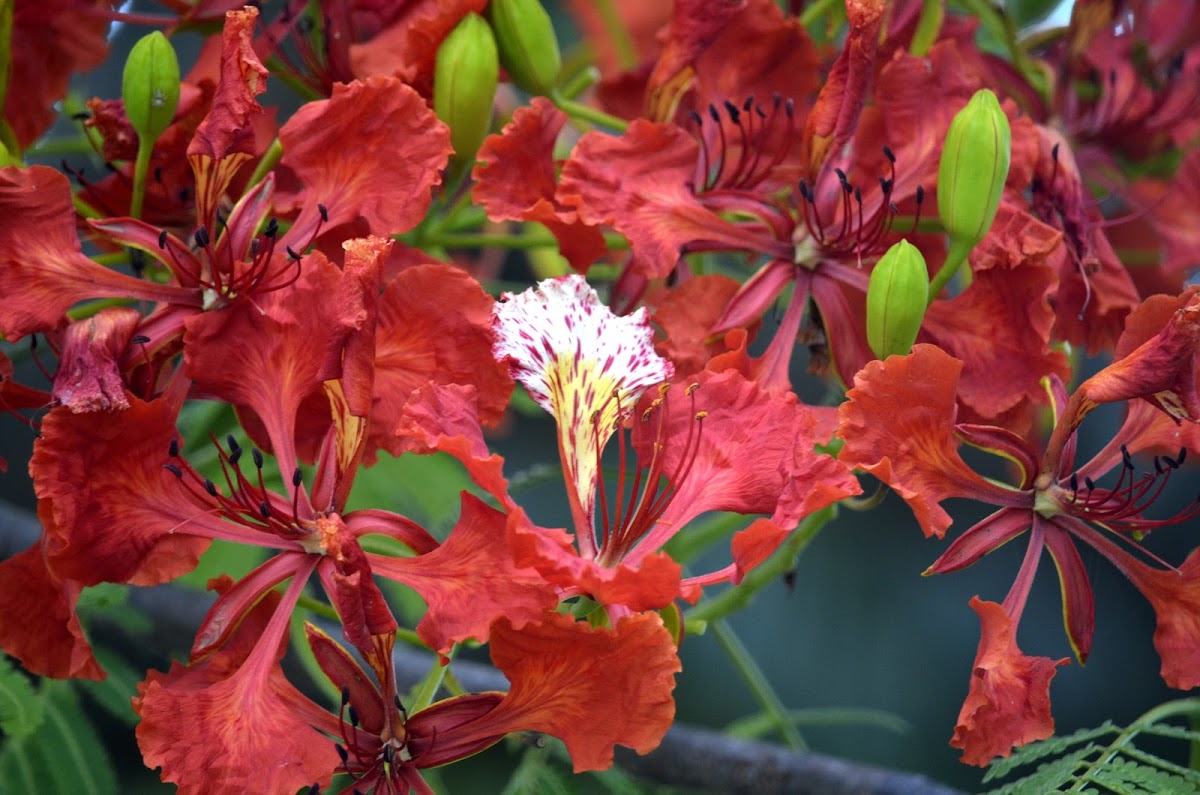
(84, 209)
(580, 81)
(141, 167)
(924, 224)
(1185, 706)
(318, 607)
(63, 145)
(813, 12)
(580, 112)
(617, 34)
(955, 257)
(763, 693)
(737, 597)
(270, 159)
(429, 686)
(1002, 28)
(697, 537)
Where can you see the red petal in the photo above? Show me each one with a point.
(695, 24)
(834, 116)
(408, 47)
(234, 713)
(43, 272)
(108, 507)
(516, 181)
(1161, 370)
(650, 584)
(641, 183)
(38, 624)
(687, 315)
(225, 139)
(435, 328)
(470, 580)
(591, 688)
(444, 419)
(1079, 606)
(1000, 325)
(898, 423)
(1009, 700)
(89, 376)
(327, 143)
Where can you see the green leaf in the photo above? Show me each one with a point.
(64, 755)
(114, 692)
(20, 706)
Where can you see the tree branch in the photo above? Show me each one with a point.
(689, 756)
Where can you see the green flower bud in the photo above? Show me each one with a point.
(150, 86)
(464, 84)
(973, 169)
(528, 47)
(896, 298)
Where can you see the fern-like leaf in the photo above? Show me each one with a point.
(1087, 762)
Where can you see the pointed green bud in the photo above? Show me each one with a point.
(464, 84)
(896, 298)
(528, 46)
(973, 169)
(150, 86)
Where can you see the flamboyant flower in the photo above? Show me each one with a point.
(724, 445)
(567, 679)
(899, 423)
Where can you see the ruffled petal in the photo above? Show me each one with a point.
(1009, 699)
(898, 424)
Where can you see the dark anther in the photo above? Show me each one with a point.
(257, 456)
(920, 194)
(345, 695)
(712, 113)
(272, 228)
(342, 753)
(841, 175)
(388, 753)
(254, 248)
(158, 174)
(185, 195)
(735, 115)
(324, 212)
(297, 477)
(749, 103)
(291, 253)
(210, 487)
(857, 194)
(202, 238)
(1182, 456)
(232, 443)
(235, 456)
(174, 470)
(776, 100)
(1054, 153)
(1074, 481)
(1091, 486)
(400, 704)
(762, 114)
(173, 448)
(885, 185)
(137, 262)
(804, 191)
(162, 239)
(1126, 459)
(695, 117)
(789, 108)
(83, 115)
(887, 152)
(1112, 77)
(893, 208)
(1170, 462)
(110, 167)
(315, 789)
(140, 339)
(353, 716)
(1158, 465)
(264, 509)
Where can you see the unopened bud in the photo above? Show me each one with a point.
(150, 86)
(973, 169)
(528, 46)
(896, 298)
(464, 83)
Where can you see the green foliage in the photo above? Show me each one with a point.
(20, 708)
(1088, 761)
(63, 755)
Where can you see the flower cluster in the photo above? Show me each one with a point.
(943, 233)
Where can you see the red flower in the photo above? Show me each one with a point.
(747, 451)
(899, 424)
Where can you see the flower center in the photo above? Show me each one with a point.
(1123, 505)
